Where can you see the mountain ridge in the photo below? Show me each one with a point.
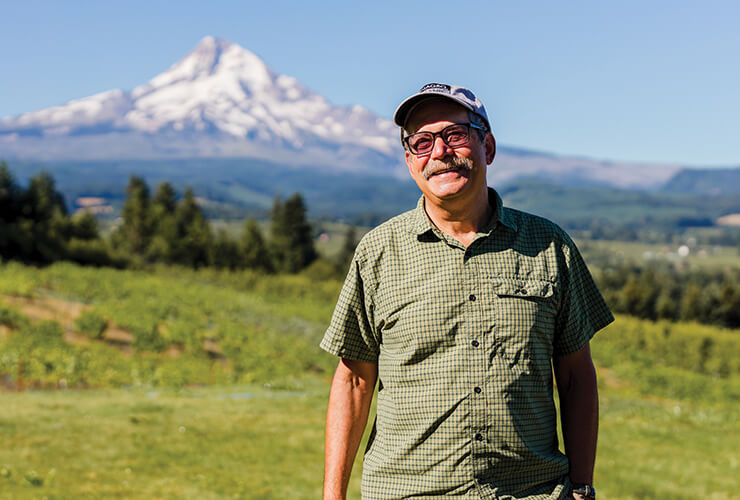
(218, 100)
(222, 101)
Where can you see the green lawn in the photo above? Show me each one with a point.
(232, 442)
(253, 442)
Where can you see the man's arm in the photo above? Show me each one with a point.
(349, 404)
(579, 411)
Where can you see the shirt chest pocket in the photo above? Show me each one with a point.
(524, 313)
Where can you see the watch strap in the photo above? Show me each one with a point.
(585, 490)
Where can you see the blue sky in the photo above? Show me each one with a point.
(651, 81)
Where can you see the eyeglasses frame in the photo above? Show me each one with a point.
(469, 125)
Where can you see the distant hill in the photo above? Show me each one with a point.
(232, 188)
(717, 181)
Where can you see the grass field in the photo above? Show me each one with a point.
(251, 442)
(670, 394)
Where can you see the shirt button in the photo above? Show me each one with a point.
(475, 343)
(479, 437)
(477, 390)
(523, 291)
(472, 297)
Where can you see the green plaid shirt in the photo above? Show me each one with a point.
(463, 339)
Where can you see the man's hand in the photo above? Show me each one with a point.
(349, 404)
(579, 412)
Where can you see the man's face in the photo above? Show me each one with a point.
(448, 173)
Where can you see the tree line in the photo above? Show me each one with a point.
(664, 292)
(36, 228)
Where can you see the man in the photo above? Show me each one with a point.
(457, 309)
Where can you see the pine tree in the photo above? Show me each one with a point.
(253, 249)
(691, 303)
(135, 232)
(292, 237)
(84, 244)
(84, 226)
(45, 214)
(10, 195)
(164, 224)
(42, 201)
(193, 245)
(225, 252)
(279, 240)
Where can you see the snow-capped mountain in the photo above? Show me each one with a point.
(221, 100)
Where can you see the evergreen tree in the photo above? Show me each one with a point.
(134, 233)
(253, 249)
(194, 235)
(691, 303)
(729, 309)
(35, 226)
(10, 195)
(292, 237)
(45, 214)
(666, 305)
(84, 226)
(164, 224)
(279, 240)
(225, 252)
(42, 201)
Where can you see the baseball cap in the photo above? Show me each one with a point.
(460, 95)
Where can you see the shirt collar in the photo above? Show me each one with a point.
(421, 223)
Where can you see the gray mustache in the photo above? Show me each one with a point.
(456, 163)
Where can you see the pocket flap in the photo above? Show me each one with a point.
(523, 289)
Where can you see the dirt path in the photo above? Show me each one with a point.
(42, 307)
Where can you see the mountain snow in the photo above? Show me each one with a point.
(217, 89)
(221, 100)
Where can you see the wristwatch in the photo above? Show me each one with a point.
(585, 490)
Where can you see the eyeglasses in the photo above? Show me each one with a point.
(455, 136)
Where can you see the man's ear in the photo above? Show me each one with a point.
(490, 144)
(408, 161)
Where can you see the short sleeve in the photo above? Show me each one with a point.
(350, 334)
(583, 310)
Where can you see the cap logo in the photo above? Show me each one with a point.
(439, 88)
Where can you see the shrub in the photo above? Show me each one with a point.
(91, 324)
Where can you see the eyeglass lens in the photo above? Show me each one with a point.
(452, 135)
